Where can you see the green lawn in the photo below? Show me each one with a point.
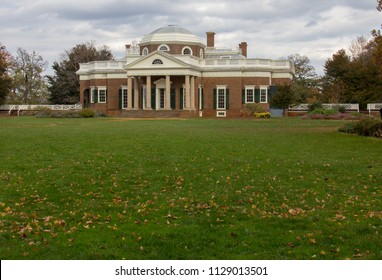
(188, 189)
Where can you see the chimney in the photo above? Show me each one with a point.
(210, 39)
(243, 47)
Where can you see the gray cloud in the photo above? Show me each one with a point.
(272, 28)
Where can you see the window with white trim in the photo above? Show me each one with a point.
(145, 51)
(157, 61)
(187, 51)
(249, 94)
(221, 114)
(184, 95)
(163, 48)
(102, 95)
(161, 98)
(221, 98)
(263, 94)
(124, 98)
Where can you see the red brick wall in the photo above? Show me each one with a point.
(113, 86)
(234, 84)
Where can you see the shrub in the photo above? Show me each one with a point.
(65, 114)
(323, 111)
(44, 113)
(250, 109)
(342, 109)
(100, 114)
(364, 127)
(58, 114)
(87, 113)
(314, 106)
(347, 128)
(71, 114)
(369, 127)
(48, 113)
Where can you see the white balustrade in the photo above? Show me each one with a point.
(347, 106)
(374, 107)
(34, 107)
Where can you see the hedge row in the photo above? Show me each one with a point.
(364, 127)
(84, 113)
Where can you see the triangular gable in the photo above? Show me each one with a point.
(157, 59)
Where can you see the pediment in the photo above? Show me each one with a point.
(161, 83)
(157, 60)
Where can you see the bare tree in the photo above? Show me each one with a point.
(29, 84)
(359, 47)
(305, 79)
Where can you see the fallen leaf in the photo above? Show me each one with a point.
(291, 245)
(360, 255)
(296, 211)
(340, 217)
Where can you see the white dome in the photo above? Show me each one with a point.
(171, 29)
(171, 34)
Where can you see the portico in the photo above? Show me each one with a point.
(160, 92)
(161, 82)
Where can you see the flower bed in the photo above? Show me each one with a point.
(265, 115)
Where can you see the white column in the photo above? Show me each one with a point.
(187, 99)
(167, 99)
(136, 94)
(192, 93)
(148, 93)
(129, 93)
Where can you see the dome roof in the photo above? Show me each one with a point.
(171, 29)
(171, 34)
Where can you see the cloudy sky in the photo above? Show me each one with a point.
(272, 28)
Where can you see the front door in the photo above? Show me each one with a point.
(86, 98)
(161, 93)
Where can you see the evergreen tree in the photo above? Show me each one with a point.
(64, 84)
(5, 79)
(283, 98)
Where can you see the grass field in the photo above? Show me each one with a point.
(188, 189)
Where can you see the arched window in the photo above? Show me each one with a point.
(145, 51)
(163, 48)
(186, 51)
(157, 61)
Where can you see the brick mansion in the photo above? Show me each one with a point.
(172, 72)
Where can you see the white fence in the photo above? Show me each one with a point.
(347, 106)
(374, 107)
(19, 108)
